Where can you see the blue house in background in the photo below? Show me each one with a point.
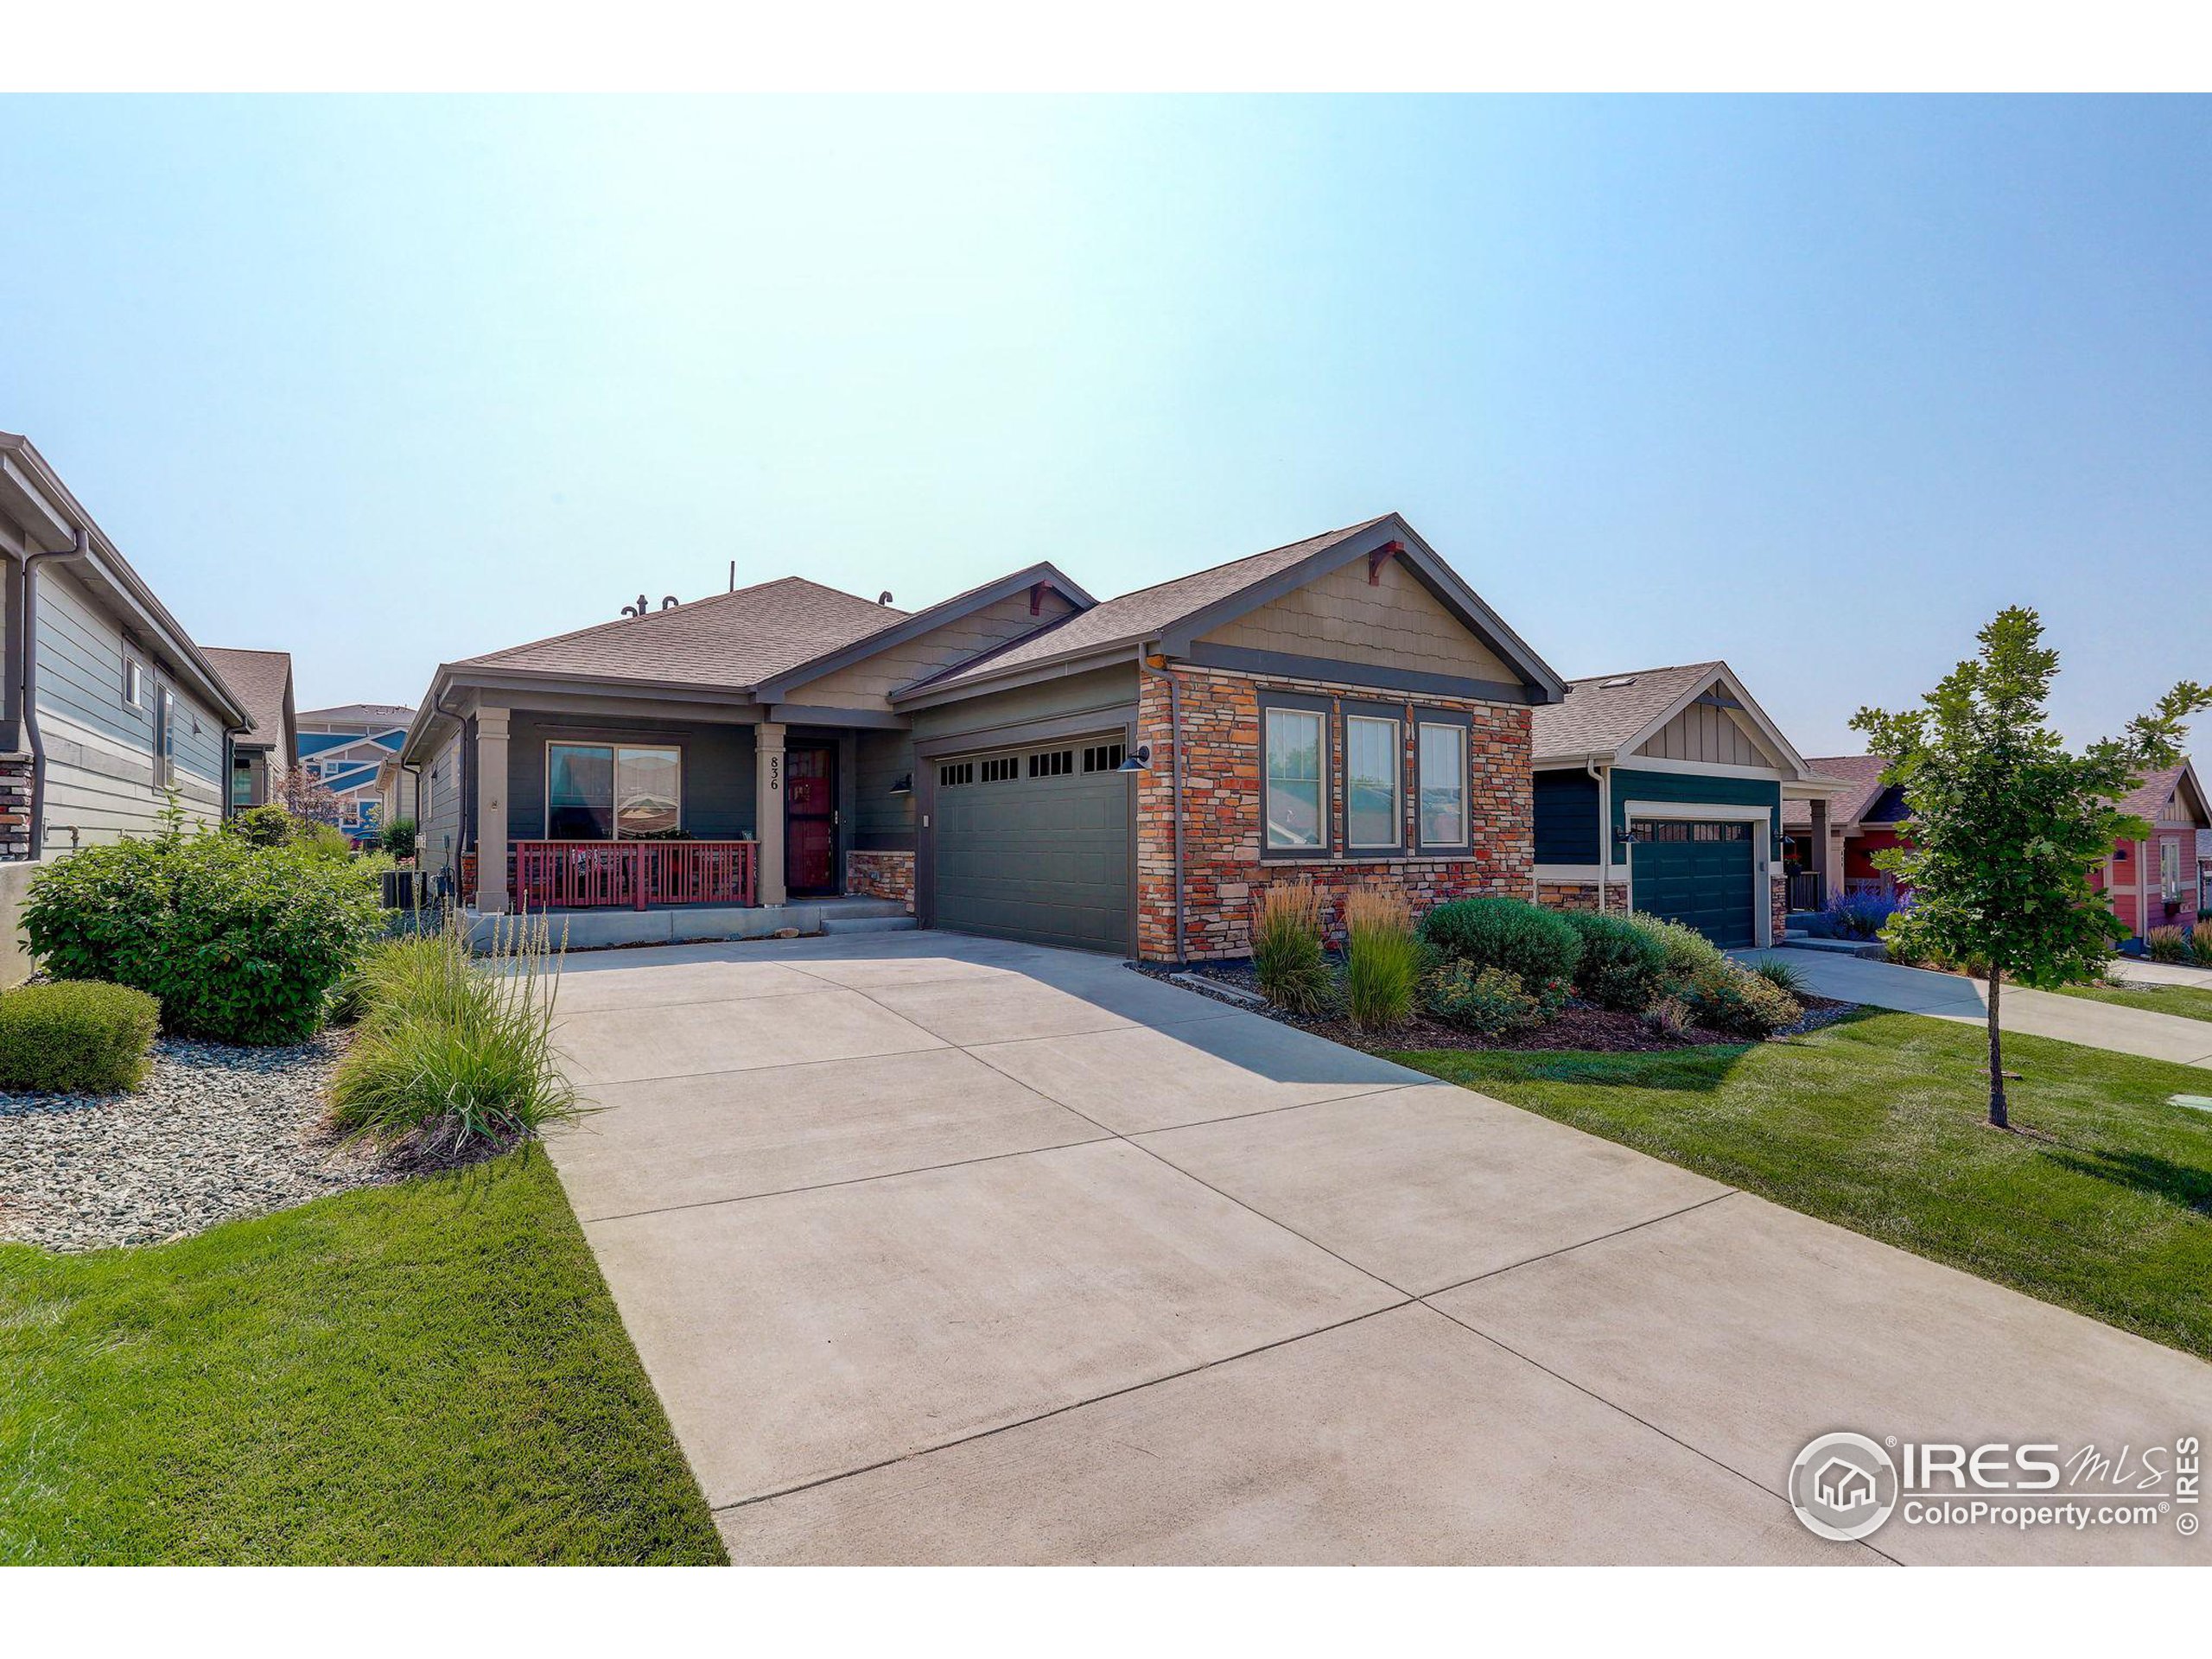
(1660, 790)
(345, 748)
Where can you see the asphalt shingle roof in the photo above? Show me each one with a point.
(352, 712)
(258, 679)
(735, 639)
(1605, 712)
(1147, 611)
(1862, 772)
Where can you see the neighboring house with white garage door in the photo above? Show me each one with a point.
(1020, 759)
(1660, 790)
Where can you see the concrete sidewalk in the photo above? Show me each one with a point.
(2040, 1013)
(941, 1249)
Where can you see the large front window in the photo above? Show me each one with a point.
(1294, 778)
(1443, 798)
(607, 791)
(1370, 781)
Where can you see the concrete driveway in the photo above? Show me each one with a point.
(955, 1250)
(2042, 1013)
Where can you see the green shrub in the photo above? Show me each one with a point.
(240, 943)
(1383, 961)
(1670, 1016)
(1783, 975)
(1535, 945)
(1286, 948)
(324, 841)
(1621, 966)
(1733, 1000)
(454, 1051)
(1685, 952)
(1489, 1003)
(2166, 945)
(398, 837)
(262, 826)
(75, 1037)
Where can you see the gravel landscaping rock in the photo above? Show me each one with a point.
(218, 1132)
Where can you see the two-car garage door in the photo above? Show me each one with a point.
(1700, 874)
(1033, 843)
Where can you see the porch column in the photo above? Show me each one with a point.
(491, 809)
(1822, 850)
(768, 809)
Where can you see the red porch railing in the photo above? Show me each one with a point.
(595, 874)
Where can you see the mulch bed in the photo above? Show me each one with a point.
(1579, 1025)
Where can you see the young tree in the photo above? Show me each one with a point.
(308, 797)
(2007, 826)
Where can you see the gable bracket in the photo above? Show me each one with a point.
(1376, 559)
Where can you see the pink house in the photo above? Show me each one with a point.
(2157, 876)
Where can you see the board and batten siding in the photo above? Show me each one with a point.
(100, 775)
(1703, 732)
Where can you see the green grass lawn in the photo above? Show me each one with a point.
(432, 1372)
(2104, 1205)
(2187, 1000)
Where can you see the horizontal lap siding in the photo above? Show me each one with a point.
(883, 822)
(1566, 817)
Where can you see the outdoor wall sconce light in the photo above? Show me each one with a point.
(1629, 836)
(905, 785)
(1140, 760)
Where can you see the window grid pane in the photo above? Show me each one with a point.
(1443, 787)
(1371, 781)
(1293, 764)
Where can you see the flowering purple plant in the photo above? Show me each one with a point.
(1860, 915)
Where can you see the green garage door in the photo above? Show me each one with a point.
(1034, 845)
(1699, 875)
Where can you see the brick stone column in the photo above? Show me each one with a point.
(15, 806)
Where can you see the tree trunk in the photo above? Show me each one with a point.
(1997, 1117)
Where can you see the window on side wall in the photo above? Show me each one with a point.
(1440, 802)
(1294, 781)
(2170, 869)
(1373, 763)
(134, 682)
(164, 739)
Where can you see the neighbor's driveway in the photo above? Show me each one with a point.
(944, 1249)
(2042, 1013)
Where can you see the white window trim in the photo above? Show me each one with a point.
(1295, 848)
(133, 669)
(1463, 736)
(1397, 782)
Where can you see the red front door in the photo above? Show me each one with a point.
(810, 821)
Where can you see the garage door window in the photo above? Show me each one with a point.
(1665, 831)
(1294, 756)
(1372, 769)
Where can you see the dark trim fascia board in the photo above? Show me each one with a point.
(569, 694)
(802, 714)
(1434, 573)
(1017, 733)
(921, 622)
(1414, 684)
(1113, 654)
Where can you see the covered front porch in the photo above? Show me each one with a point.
(601, 806)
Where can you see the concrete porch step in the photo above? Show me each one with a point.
(899, 923)
(1871, 949)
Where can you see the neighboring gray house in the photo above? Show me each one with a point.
(270, 747)
(109, 705)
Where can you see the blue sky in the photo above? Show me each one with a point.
(1815, 386)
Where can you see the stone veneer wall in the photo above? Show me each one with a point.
(15, 806)
(1779, 891)
(881, 876)
(1581, 895)
(1223, 868)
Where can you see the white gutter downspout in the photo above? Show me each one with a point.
(1604, 777)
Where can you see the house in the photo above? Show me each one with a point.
(1660, 790)
(1020, 759)
(2159, 876)
(111, 710)
(269, 747)
(347, 749)
(1863, 817)
(2154, 881)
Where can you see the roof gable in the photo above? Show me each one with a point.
(946, 634)
(262, 681)
(1700, 708)
(1179, 613)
